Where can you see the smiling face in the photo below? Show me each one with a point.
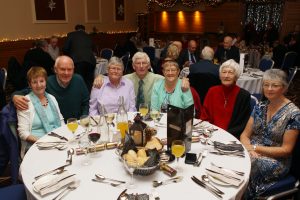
(170, 72)
(38, 85)
(228, 76)
(115, 73)
(141, 67)
(273, 89)
(64, 69)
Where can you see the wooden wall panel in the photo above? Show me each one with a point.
(290, 18)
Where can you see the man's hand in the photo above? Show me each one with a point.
(98, 82)
(185, 84)
(21, 102)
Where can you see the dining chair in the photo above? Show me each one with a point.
(106, 53)
(289, 60)
(292, 74)
(13, 192)
(197, 103)
(289, 185)
(3, 77)
(266, 64)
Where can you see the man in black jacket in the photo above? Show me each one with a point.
(227, 51)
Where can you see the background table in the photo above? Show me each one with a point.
(251, 81)
(101, 66)
(108, 164)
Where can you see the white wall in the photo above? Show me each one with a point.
(16, 19)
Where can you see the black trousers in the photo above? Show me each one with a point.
(86, 70)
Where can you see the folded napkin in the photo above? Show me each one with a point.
(225, 176)
(52, 182)
(49, 141)
(229, 147)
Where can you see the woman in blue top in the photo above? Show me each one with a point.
(43, 114)
(270, 134)
(168, 90)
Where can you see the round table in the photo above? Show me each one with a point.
(251, 81)
(108, 164)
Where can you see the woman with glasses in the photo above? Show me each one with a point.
(227, 105)
(271, 134)
(168, 90)
(114, 85)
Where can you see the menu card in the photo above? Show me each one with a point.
(179, 125)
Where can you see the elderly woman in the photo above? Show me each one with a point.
(168, 90)
(113, 86)
(43, 114)
(227, 105)
(271, 134)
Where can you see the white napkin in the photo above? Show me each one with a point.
(52, 182)
(222, 175)
(49, 141)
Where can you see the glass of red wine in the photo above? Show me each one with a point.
(94, 138)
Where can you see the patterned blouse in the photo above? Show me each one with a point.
(267, 171)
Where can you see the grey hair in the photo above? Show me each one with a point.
(207, 53)
(277, 75)
(232, 65)
(61, 58)
(115, 61)
(140, 55)
(170, 63)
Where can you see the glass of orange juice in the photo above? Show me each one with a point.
(123, 127)
(72, 124)
(178, 149)
(143, 109)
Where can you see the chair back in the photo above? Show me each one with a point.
(16, 74)
(289, 60)
(106, 53)
(202, 82)
(150, 51)
(292, 74)
(266, 64)
(253, 102)
(125, 60)
(3, 77)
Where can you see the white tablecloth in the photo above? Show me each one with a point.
(107, 163)
(251, 81)
(101, 66)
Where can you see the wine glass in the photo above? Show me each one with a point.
(178, 149)
(143, 109)
(154, 114)
(94, 137)
(130, 166)
(84, 145)
(85, 122)
(72, 124)
(109, 118)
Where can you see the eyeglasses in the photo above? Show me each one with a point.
(141, 63)
(273, 86)
(115, 69)
(170, 70)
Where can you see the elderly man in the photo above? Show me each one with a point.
(53, 48)
(188, 56)
(68, 88)
(227, 51)
(142, 79)
(205, 65)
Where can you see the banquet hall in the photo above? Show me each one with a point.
(265, 34)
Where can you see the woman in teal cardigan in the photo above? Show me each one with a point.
(168, 90)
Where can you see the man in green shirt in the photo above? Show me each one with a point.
(68, 88)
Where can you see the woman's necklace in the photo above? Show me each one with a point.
(46, 103)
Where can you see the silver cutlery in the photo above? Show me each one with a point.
(70, 155)
(234, 171)
(205, 186)
(58, 136)
(164, 182)
(58, 170)
(102, 178)
(203, 155)
(52, 184)
(105, 182)
(64, 192)
(198, 123)
(198, 158)
(225, 175)
(206, 179)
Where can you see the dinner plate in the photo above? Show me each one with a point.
(217, 181)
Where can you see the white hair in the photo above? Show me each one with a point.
(232, 65)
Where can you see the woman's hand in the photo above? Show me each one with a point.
(185, 84)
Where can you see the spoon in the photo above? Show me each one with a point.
(204, 154)
(112, 184)
(206, 179)
(70, 154)
(174, 180)
(63, 193)
(102, 178)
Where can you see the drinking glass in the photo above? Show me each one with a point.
(72, 124)
(123, 127)
(130, 168)
(143, 109)
(178, 149)
(85, 122)
(94, 138)
(84, 145)
(154, 114)
(109, 117)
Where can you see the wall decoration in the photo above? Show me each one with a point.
(119, 10)
(49, 11)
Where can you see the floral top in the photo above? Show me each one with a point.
(265, 170)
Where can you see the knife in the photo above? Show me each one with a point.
(58, 136)
(61, 168)
(225, 175)
(213, 191)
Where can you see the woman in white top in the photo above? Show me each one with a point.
(43, 114)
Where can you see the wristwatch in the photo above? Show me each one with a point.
(254, 147)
